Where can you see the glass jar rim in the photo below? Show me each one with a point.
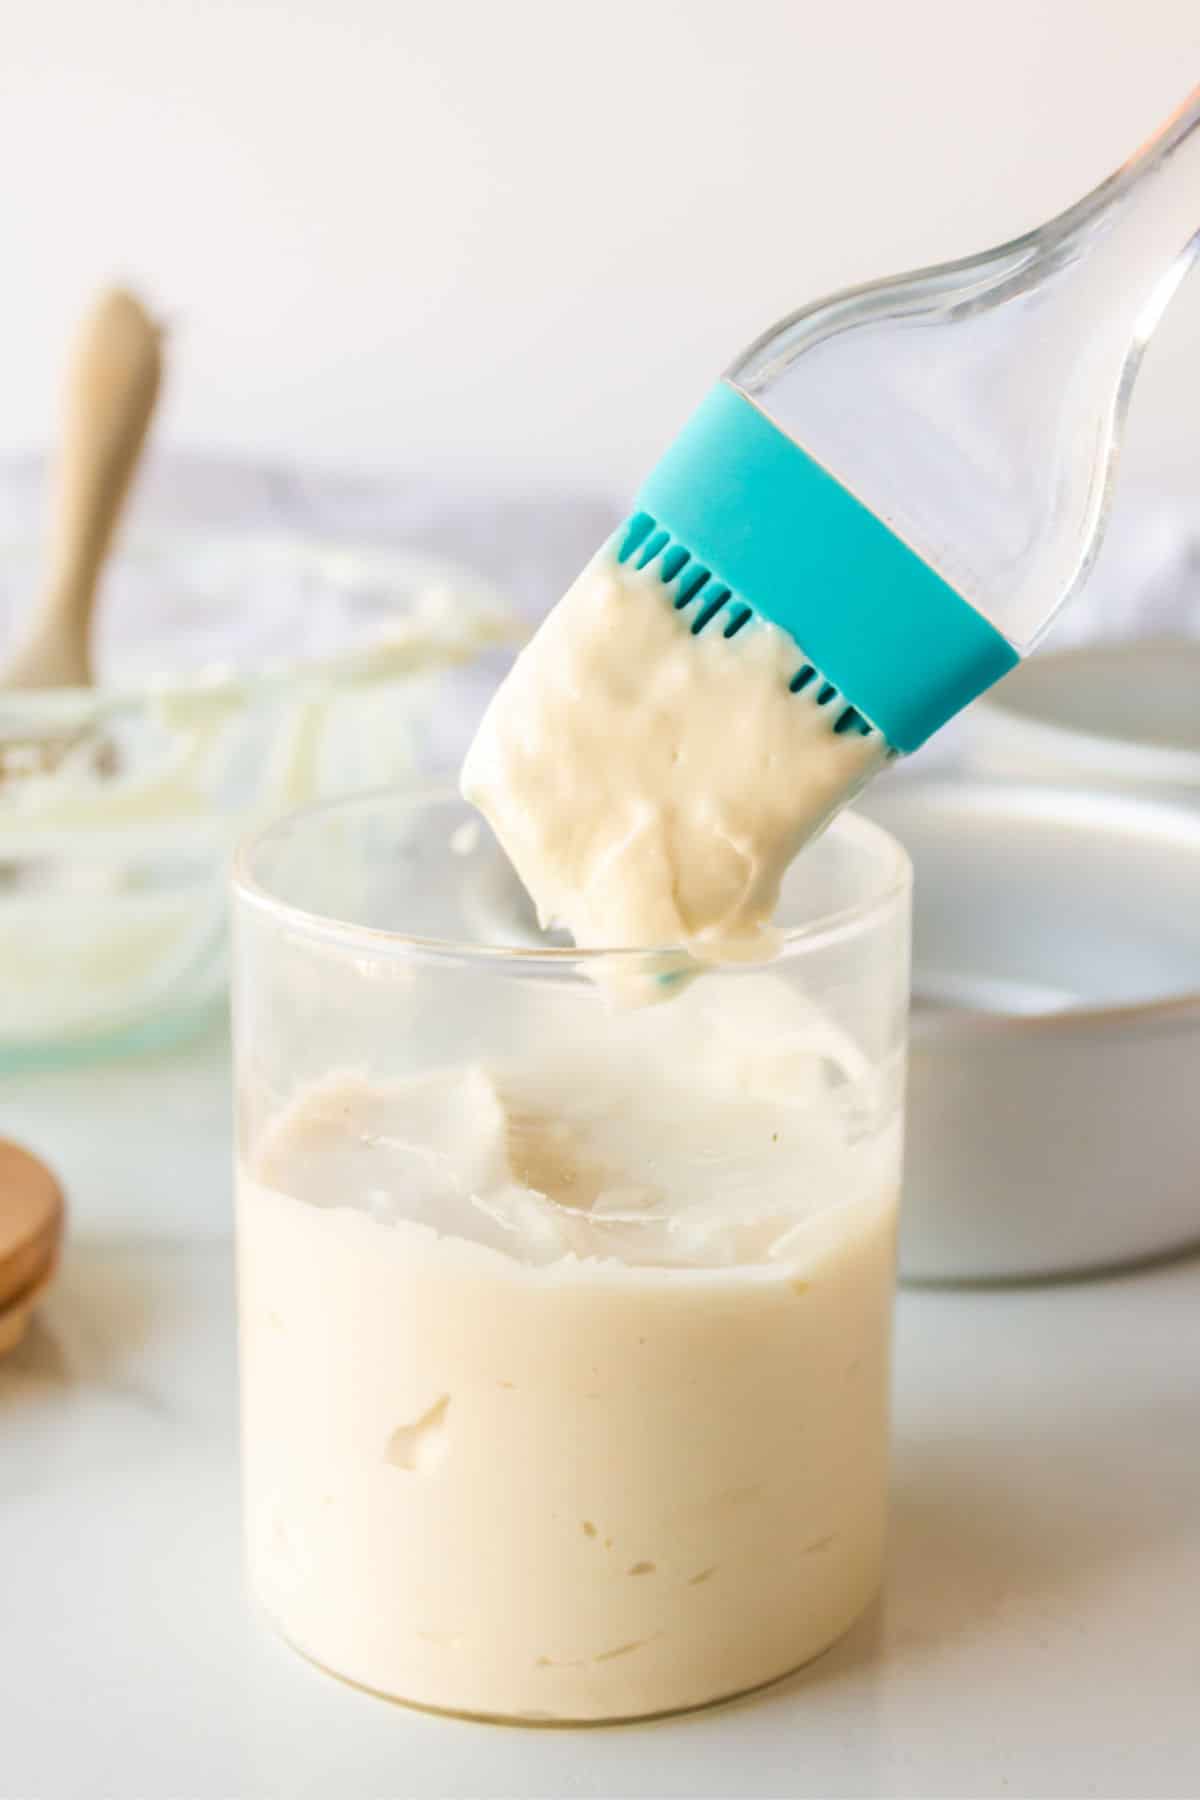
(891, 859)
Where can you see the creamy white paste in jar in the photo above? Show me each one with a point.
(565, 1376)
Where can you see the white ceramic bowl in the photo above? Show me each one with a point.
(1109, 715)
(1053, 1121)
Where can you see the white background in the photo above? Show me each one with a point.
(520, 237)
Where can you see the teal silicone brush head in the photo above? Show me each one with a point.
(643, 541)
(739, 520)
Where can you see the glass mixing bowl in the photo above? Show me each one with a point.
(238, 677)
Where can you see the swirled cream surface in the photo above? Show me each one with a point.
(565, 1374)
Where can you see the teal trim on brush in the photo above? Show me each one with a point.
(735, 503)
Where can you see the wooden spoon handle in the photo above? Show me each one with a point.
(111, 390)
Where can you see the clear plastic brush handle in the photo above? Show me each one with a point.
(977, 407)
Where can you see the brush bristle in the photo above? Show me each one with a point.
(644, 541)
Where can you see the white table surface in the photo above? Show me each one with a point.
(1039, 1636)
(1040, 1630)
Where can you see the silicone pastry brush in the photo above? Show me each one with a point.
(911, 478)
(868, 521)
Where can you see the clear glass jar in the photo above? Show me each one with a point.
(565, 1319)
